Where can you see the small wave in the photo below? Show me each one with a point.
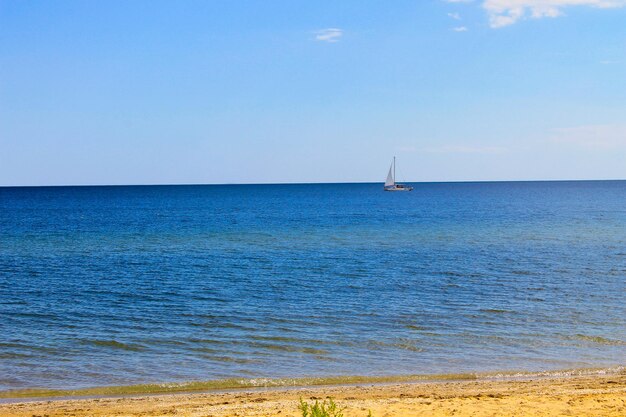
(226, 384)
(164, 342)
(617, 370)
(10, 345)
(30, 348)
(599, 340)
(290, 348)
(287, 339)
(231, 359)
(242, 383)
(494, 310)
(400, 344)
(14, 355)
(219, 325)
(414, 327)
(12, 302)
(114, 344)
(32, 315)
(205, 350)
(209, 341)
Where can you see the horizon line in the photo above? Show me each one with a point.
(307, 183)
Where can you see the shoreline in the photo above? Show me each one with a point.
(233, 385)
(592, 394)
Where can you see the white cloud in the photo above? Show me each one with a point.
(592, 136)
(506, 12)
(329, 35)
(460, 29)
(454, 16)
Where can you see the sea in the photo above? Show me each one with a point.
(123, 285)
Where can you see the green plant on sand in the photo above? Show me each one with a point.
(327, 408)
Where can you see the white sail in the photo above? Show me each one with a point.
(390, 181)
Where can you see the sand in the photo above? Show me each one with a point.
(599, 395)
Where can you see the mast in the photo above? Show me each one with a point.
(394, 170)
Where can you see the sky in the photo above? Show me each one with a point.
(225, 91)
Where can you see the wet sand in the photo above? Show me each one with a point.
(600, 395)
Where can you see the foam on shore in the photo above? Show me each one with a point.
(253, 383)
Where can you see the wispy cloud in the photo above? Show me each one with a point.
(460, 29)
(507, 12)
(328, 35)
(466, 149)
(592, 136)
(454, 16)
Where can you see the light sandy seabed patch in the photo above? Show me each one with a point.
(598, 395)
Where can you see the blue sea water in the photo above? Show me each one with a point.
(125, 285)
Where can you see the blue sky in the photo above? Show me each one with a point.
(150, 92)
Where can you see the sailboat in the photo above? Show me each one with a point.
(390, 183)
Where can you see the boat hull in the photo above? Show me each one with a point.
(399, 188)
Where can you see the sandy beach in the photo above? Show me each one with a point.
(598, 395)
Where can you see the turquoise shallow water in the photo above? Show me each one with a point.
(125, 285)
